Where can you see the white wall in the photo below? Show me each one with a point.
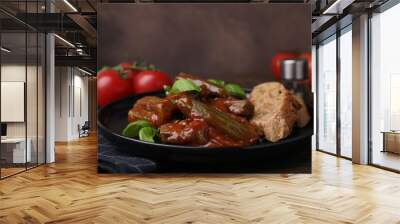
(80, 110)
(62, 81)
(71, 93)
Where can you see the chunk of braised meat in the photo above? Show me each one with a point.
(242, 108)
(156, 110)
(206, 89)
(185, 132)
(235, 127)
(179, 100)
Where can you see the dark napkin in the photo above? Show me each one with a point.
(112, 160)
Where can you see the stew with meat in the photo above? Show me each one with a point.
(197, 112)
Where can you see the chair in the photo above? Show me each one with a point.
(84, 130)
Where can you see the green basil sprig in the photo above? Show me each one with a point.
(147, 134)
(182, 85)
(231, 88)
(133, 128)
(217, 82)
(142, 129)
(235, 90)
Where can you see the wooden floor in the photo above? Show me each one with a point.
(5, 172)
(70, 191)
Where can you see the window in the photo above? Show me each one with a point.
(385, 88)
(327, 96)
(22, 101)
(346, 92)
(334, 94)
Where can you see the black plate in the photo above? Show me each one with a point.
(112, 119)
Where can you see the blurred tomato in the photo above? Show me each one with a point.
(276, 63)
(150, 81)
(127, 68)
(112, 85)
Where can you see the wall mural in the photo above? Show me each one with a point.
(204, 88)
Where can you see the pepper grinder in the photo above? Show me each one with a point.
(293, 74)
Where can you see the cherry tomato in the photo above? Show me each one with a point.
(127, 68)
(276, 63)
(150, 81)
(112, 85)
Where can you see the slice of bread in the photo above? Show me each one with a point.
(276, 110)
(303, 117)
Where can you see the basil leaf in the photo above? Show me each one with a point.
(184, 85)
(235, 90)
(147, 134)
(133, 128)
(216, 82)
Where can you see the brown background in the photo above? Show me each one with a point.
(235, 42)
